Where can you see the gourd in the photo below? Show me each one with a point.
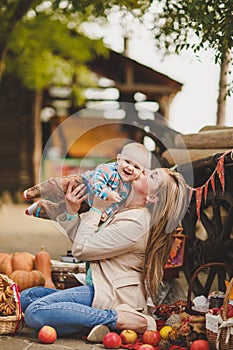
(23, 261)
(26, 262)
(43, 264)
(16, 261)
(6, 263)
(27, 279)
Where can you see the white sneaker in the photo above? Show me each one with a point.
(97, 333)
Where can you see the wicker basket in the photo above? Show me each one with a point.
(190, 309)
(9, 324)
(217, 330)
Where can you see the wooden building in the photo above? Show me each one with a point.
(130, 77)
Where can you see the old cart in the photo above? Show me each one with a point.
(208, 222)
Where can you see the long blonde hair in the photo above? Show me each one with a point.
(166, 215)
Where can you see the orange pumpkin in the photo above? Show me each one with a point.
(23, 261)
(27, 279)
(6, 264)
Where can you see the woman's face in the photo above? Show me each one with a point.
(150, 181)
(155, 180)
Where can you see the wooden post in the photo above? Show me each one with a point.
(37, 152)
(221, 112)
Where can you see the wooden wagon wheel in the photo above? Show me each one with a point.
(210, 239)
(211, 269)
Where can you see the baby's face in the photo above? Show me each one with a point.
(129, 166)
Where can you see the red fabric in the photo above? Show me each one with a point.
(206, 190)
(198, 200)
(220, 172)
(213, 183)
(136, 345)
(15, 289)
(139, 342)
(160, 324)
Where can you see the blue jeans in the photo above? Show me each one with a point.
(69, 311)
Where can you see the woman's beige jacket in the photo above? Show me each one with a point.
(116, 252)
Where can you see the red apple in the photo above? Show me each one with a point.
(146, 347)
(200, 345)
(112, 340)
(151, 337)
(47, 335)
(128, 336)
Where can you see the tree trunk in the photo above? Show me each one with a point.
(3, 54)
(223, 89)
(17, 136)
(37, 152)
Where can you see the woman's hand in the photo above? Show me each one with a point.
(75, 197)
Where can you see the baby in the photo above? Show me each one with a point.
(110, 181)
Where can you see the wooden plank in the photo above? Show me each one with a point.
(211, 139)
(181, 156)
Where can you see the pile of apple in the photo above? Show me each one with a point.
(114, 340)
(150, 340)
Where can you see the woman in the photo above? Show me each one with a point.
(127, 254)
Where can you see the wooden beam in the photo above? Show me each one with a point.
(151, 88)
(207, 139)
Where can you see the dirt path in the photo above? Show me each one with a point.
(19, 232)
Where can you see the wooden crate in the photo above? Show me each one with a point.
(176, 258)
(63, 274)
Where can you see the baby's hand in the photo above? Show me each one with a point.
(104, 216)
(114, 197)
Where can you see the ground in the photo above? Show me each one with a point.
(26, 340)
(19, 233)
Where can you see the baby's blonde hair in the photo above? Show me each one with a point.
(140, 151)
